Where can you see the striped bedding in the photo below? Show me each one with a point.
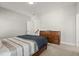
(18, 47)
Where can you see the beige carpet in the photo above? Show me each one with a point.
(55, 50)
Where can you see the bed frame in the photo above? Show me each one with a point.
(40, 50)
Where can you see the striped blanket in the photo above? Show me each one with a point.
(18, 47)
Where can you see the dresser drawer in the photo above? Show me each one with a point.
(52, 36)
(56, 42)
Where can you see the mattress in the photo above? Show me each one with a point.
(16, 46)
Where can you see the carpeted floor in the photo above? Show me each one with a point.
(55, 50)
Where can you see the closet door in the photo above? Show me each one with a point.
(77, 31)
(77, 26)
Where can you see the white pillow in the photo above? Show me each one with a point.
(0, 43)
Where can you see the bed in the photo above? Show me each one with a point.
(24, 45)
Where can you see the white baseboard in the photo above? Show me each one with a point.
(67, 43)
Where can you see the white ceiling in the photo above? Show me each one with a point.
(37, 8)
(20, 7)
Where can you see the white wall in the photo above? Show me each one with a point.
(60, 17)
(12, 23)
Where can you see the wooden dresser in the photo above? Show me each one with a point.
(52, 36)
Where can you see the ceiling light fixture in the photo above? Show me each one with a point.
(31, 2)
